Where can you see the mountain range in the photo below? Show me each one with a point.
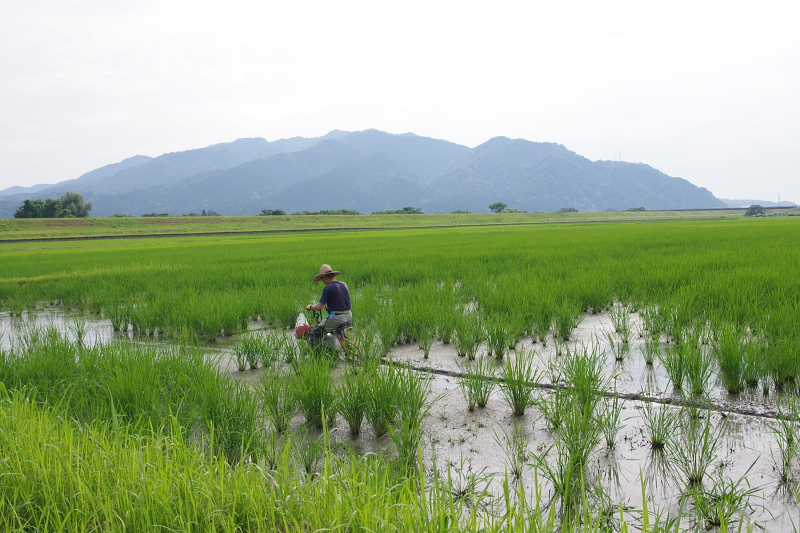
(369, 171)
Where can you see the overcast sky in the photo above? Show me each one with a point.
(708, 91)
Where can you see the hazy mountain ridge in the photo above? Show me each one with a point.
(369, 171)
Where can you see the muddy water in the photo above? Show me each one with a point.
(472, 441)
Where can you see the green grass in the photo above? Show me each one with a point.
(96, 227)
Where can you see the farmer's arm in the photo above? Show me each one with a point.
(316, 307)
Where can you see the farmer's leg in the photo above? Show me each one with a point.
(337, 320)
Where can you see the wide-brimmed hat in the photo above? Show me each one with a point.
(325, 270)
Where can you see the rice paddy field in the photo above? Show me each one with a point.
(627, 376)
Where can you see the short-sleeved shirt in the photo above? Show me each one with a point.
(336, 295)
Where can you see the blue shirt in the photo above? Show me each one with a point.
(336, 295)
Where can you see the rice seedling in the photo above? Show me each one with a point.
(619, 348)
(313, 390)
(412, 409)
(785, 430)
(500, 333)
(694, 447)
(308, 451)
(277, 394)
(621, 319)
(753, 369)
(383, 399)
(552, 406)
(728, 348)
(699, 367)
(660, 422)
(425, 334)
(582, 368)
(516, 448)
(580, 431)
(652, 351)
(609, 419)
(724, 504)
(542, 322)
(673, 359)
(567, 317)
(477, 383)
(352, 397)
(468, 336)
(652, 323)
(519, 378)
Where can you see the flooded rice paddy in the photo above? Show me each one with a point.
(475, 444)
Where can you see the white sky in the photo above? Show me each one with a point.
(708, 91)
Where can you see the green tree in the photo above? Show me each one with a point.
(567, 210)
(755, 211)
(497, 207)
(636, 209)
(272, 212)
(405, 211)
(73, 202)
(68, 206)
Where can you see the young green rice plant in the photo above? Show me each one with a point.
(78, 328)
(659, 423)
(516, 448)
(580, 432)
(619, 348)
(249, 349)
(582, 368)
(673, 359)
(542, 322)
(620, 316)
(313, 390)
(753, 367)
(352, 396)
(609, 418)
(383, 398)
(699, 367)
(652, 351)
(724, 504)
(568, 315)
(477, 383)
(652, 323)
(552, 406)
(117, 317)
(425, 334)
(785, 429)
(277, 394)
(308, 451)
(499, 335)
(413, 408)
(468, 335)
(519, 378)
(728, 348)
(693, 448)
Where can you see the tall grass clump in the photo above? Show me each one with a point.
(352, 396)
(276, 389)
(477, 383)
(468, 335)
(659, 423)
(785, 430)
(412, 407)
(314, 392)
(693, 448)
(728, 348)
(519, 378)
(384, 393)
(567, 318)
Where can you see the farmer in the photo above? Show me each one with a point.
(335, 298)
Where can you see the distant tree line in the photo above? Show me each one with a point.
(71, 205)
(404, 211)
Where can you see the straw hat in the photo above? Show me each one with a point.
(325, 270)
